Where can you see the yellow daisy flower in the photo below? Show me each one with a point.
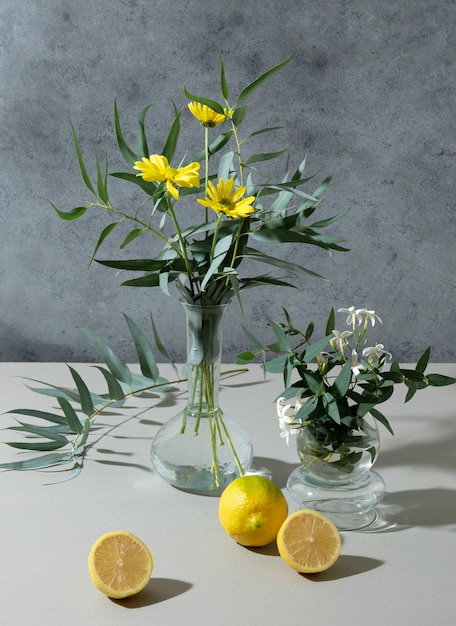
(222, 198)
(156, 169)
(205, 115)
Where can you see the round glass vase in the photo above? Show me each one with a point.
(336, 479)
(201, 450)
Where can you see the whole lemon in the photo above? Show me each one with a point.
(252, 510)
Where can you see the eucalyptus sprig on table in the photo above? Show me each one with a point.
(63, 441)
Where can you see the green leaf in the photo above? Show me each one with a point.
(331, 322)
(412, 375)
(423, 361)
(264, 156)
(128, 154)
(382, 419)
(306, 409)
(281, 335)
(143, 149)
(245, 93)
(220, 141)
(84, 393)
(73, 214)
(412, 389)
(135, 265)
(102, 180)
(146, 358)
(257, 255)
(315, 349)
(173, 136)
(70, 414)
(117, 367)
(439, 380)
(277, 365)
(104, 233)
(150, 280)
(221, 250)
(50, 417)
(131, 236)
(223, 84)
(342, 382)
(160, 347)
(82, 167)
(39, 462)
(114, 389)
(149, 188)
(245, 357)
(253, 340)
(54, 433)
(44, 446)
(212, 104)
(330, 404)
(238, 116)
(329, 220)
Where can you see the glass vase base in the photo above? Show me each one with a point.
(350, 505)
(201, 459)
(194, 480)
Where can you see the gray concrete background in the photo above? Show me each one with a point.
(370, 98)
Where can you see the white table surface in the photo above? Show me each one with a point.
(399, 572)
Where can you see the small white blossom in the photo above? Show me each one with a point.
(370, 316)
(376, 351)
(339, 339)
(353, 316)
(356, 366)
(286, 412)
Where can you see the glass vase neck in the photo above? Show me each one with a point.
(204, 353)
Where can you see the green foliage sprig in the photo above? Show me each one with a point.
(339, 378)
(202, 258)
(62, 437)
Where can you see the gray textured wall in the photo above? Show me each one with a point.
(370, 97)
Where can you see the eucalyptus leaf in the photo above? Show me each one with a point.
(44, 415)
(315, 349)
(85, 397)
(143, 148)
(114, 388)
(73, 214)
(71, 415)
(39, 462)
(145, 355)
(82, 167)
(171, 142)
(245, 93)
(127, 153)
(118, 368)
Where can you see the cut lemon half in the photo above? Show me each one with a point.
(120, 564)
(309, 542)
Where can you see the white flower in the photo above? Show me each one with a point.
(356, 366)
(286, 412)
(339, 339)
(353, 316)
(376, 352)
(369, 316)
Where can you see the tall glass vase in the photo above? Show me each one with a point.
(201, 450)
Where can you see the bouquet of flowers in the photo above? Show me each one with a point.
(339, 379)
(205, 210)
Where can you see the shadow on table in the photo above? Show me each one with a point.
(420, 507)
(157, 590)
(347, 565)
(276, 470)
